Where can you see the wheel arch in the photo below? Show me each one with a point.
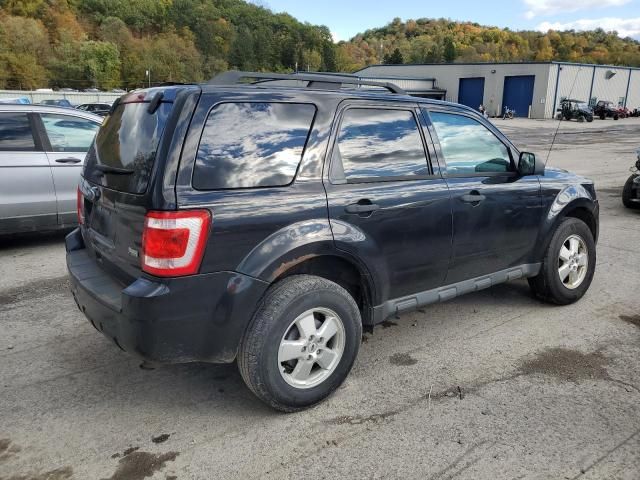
(342, 270)
(580, 206)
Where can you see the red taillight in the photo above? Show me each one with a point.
(173, 243)
(80, 206)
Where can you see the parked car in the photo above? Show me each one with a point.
(270, 223)
(101, 109)
(604, 109)
(16, 100)
(631, 190)
(571, 109)
(61, 102)
(41, 154)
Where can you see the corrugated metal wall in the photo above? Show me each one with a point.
(612, 89)
(574, 82)
(76, 98)
(633, 99)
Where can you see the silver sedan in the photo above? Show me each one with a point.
(42, 151)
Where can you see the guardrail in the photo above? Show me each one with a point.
(75, 98)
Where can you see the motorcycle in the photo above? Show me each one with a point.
(631, 190)
(508, 113)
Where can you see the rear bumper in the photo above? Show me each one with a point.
(177, 320)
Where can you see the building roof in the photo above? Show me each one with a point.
(495, 63)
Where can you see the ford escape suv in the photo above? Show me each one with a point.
(267, 219)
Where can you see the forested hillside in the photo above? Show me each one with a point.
(112, 43)
(432, 41)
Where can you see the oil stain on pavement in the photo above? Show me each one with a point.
(567, 364)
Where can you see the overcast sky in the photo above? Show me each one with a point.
(345, 18)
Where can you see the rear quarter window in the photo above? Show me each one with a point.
(253, 144)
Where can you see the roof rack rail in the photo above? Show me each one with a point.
(327, 81)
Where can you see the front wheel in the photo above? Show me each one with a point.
(568, 265)
(627, 193)
(301, 343)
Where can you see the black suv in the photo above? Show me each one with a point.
(270, 221)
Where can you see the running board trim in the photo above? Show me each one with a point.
(448, 292)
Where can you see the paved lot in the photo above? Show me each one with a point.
(493, 385)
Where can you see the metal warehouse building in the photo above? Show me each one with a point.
(533, 89)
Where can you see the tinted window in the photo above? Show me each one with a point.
(67, 133)
(15, 132)
(128, 139)
(252, 145)
(376, 143)
(468, 146)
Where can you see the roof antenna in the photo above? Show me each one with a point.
(555, 134)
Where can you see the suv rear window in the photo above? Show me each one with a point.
(246, 145)
(128, 139)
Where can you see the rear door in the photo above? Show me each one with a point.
(384, 192)
(27, 195)
(67, 140)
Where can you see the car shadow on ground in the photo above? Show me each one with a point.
(33, 239)
(118, 377)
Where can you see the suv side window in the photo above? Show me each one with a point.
(15, 133)
(246, 145)
(468, 146)
(67, 133)
(376, 144)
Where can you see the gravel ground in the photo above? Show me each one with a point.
(491, 385)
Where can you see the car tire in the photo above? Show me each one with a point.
(590, 118)
(627, 192)
(602, 116)
(549, 285)
(581, 119)
(291, 307)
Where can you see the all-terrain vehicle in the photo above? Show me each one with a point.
(604, 109)
(269, 218)
(571, 109)
(631, 190)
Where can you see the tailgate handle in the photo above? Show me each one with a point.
(68, 160)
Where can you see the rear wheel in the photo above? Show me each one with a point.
(627, 193)
(301, 343)
(581, 118)
(568, 265)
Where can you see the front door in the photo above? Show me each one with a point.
(67, 141)
(496, 212)
(386, 205)
(27, 196)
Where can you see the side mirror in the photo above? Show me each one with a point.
(528, 164)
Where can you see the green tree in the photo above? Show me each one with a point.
(100, 64)
(395, 58)
(449, 54)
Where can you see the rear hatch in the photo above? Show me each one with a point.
(117, 185)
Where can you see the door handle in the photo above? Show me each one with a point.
(68, 160)
(362, 207)
(473, 197)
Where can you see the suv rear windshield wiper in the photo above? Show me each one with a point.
(114, 170)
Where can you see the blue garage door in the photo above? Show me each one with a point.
(471, 92)
(518, 94)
